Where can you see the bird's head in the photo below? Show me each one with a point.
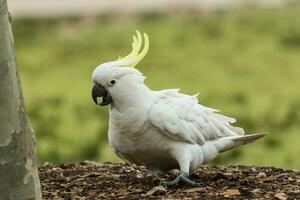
(117, 80)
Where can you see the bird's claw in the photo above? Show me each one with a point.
(182, 178)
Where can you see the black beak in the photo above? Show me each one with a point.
(99, 91)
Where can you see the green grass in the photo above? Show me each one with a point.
(245, 63)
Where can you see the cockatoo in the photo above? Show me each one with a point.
(161, 130)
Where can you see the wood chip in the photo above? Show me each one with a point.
(268, 179)
(196, 190)
(89, 180)
(261, 174)
(280, 196)
(256, 190)
(157, 190)
(232, 192)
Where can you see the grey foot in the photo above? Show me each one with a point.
(182, 178)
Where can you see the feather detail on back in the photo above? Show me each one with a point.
(180, 117)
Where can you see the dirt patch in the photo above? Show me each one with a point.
(90, 180)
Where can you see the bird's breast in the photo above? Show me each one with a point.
(145, 147)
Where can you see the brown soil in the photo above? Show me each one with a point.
(90, 180)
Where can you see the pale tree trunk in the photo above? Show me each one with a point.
(18, 169)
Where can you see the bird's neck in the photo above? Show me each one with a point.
(129, 113)
(137, 97)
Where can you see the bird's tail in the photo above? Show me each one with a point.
(228, 143)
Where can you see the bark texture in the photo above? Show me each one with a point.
(18, 168)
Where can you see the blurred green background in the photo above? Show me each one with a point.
(244, 62)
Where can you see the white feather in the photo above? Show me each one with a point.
(180, 116)
(163, 130)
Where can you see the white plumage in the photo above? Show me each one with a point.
(162, 130)
(181, 117)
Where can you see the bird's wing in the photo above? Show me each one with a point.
(181, 118)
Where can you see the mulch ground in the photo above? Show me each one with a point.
(90, 180)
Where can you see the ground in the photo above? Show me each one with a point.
(90, 180)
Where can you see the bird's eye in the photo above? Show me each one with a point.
(112, 82)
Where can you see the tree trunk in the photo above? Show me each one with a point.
(18, 168)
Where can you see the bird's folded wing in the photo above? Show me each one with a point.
(181, 118)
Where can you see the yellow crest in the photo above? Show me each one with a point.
(134, 57)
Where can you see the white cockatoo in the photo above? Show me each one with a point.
(161, 130)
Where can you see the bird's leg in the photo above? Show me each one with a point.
(184, 160)
(183, 177)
